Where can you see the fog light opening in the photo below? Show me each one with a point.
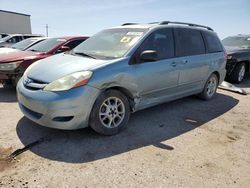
(63, 118)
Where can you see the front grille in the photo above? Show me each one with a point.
(33, 84)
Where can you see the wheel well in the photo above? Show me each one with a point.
(217, 74)
(127, 93)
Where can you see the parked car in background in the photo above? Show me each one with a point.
(238, 50)
(22, 45)
(14, 38)
(13, 65)
(122, 70)
(2, 35)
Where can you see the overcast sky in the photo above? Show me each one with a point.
(86, 17)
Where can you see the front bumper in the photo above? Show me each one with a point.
(61, 110)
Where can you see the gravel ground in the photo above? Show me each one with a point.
(185, 143)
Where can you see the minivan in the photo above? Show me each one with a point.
(122, 70)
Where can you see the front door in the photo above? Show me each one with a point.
(157, 80)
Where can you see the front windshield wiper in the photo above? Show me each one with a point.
(83, 54)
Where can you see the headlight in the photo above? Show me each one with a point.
(10, 66)
(70, 81)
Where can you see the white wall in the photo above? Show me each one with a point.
(14, 23)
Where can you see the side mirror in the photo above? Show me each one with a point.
(149, 56)
(63, 49)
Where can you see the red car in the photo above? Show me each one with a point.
(13, 65)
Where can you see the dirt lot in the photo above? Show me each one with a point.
(185, 143)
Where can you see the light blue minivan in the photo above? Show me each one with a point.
(122, 70)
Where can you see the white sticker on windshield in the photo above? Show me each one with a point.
(135, 33)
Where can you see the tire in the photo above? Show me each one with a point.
(210, 88)
(104, 118)
(238, 73)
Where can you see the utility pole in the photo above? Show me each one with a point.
(47, 30)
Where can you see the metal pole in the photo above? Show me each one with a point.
(47, 30)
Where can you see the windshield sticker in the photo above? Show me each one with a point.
(135, 33)
(133, 41)
(125, 39)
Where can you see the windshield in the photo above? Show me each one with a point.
(111, 43)
(46, 45)
(242, 42)
(23, 44)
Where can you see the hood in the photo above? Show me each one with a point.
(58, 66)
(236, 49)
(19, 55)
(7, 50)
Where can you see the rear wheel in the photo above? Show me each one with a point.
(238, 73)
(110, 113)
(210, 88)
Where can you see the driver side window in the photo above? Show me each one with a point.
(160, 41)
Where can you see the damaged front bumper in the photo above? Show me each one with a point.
(61, 110)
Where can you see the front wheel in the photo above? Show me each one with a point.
(110, 113)
(210, 88)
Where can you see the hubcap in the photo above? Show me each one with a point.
(112, 112)
(211, 86)
(241, 73)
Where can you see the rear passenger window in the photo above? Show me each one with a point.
(189, 42)
(74, 43)
(213, 43)
(160, 41)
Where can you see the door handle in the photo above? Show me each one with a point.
(173, 64)
(184, 61)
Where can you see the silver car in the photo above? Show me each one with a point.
(119, 71)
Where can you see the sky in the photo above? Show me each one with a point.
(86, 17)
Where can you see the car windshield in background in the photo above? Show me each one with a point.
(241, 42)
(5, 38)
(46, 45)
(110, 44)
(23, 44)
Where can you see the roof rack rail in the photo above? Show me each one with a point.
(129, 24)
(183, 23)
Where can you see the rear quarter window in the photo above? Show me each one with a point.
(213, 42)
(189, 42)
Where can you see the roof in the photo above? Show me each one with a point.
(165, 23)
(14, 13)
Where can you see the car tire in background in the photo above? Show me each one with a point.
(238, 73)
(7, 84)
(210, 88)
(110, 113)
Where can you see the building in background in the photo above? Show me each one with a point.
(13, 22)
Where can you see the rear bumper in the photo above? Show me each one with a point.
(61, 110)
